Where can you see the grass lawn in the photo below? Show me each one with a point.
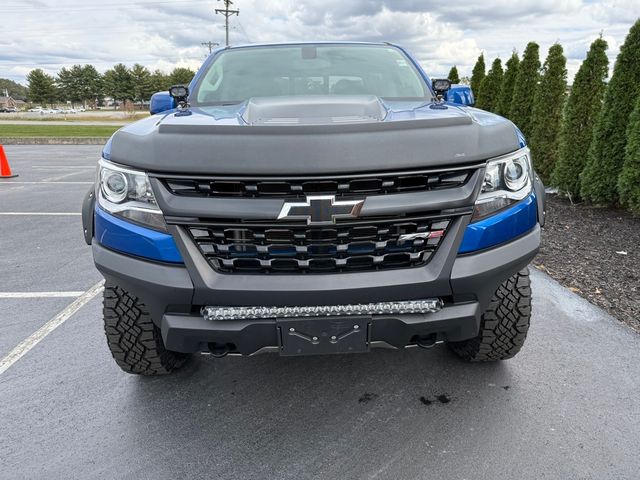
(57, 130)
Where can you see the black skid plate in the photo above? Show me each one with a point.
(325, 335)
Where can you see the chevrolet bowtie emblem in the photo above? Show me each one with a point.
(320, 210)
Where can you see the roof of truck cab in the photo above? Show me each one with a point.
(324, 42)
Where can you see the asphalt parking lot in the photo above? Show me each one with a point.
(566, 408)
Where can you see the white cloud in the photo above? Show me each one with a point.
(168, 33)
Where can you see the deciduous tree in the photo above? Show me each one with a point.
(16, 91)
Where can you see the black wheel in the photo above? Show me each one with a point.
(135, 342)
(504, 324)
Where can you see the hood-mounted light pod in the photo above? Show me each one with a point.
(440, 87)
(181, 95)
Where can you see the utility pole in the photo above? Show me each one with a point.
(227, 13)
(210, 45)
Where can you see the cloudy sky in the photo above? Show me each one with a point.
(165, 33)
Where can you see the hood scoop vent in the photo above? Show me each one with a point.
(314, 110)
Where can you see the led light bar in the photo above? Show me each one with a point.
(430, 305)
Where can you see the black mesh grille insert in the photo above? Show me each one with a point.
(302, 249)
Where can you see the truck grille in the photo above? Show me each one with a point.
(380, 184)
(345, 247)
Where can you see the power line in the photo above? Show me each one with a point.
(244, 31)
(210, 45)
(227, 13)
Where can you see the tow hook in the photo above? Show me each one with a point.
(219, 350)
(427, 341)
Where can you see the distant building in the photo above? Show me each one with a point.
(8, 102)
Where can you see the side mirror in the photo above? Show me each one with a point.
(461, 95)
(161, 102)
(441, 86)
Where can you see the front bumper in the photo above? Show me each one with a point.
(174, 294)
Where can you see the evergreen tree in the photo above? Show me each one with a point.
(70, 83)
(524, 88)
(92, 85)
(41, 87)
(629, 182)
(118, 84)
(508, 82)
(63, 83)
(477, 75)
(453, 75)
(599, 179)
(546, 119)
(490, 87)
(159, 82)
(181, 76)
(580, 115)
(141, 83)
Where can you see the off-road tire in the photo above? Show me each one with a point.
(134, 340)
(504, 324)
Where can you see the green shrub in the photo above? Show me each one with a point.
(581, 113)
(490, 87)
(599, 180)
(629, 181)
(508, 82)
(477, 75)
(524, 89)
(547, 112)
(453, 75)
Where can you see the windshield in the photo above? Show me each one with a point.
(239, 74)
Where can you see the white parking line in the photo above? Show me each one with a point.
(55, 214)
(62, 176)
(26, 345)
(47, 167)
(40, 294)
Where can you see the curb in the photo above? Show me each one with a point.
(53, 140)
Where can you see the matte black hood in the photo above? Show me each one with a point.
(244, 140)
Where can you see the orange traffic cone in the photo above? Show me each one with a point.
(5, 169)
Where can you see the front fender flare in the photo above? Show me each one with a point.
(88, 206)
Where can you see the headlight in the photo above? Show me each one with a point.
(127, 194)
(507, 180)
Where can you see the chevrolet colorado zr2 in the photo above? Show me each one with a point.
(313, 198)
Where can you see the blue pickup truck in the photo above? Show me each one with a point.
(314, 198)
